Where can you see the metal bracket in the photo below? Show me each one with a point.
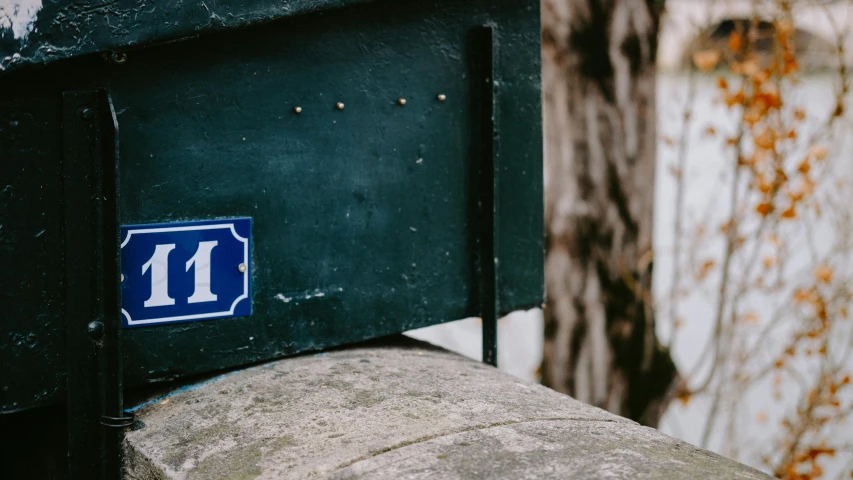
(483, 52)
(92, 287)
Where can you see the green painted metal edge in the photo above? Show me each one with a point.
(68, 29)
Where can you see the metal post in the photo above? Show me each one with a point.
(92, 285)
(484, 55)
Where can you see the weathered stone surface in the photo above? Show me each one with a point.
(549, 449)
(406, 411)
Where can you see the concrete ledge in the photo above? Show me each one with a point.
(405, 411)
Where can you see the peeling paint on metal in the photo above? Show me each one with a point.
(283, 298)
(304, 295)
(19, 16)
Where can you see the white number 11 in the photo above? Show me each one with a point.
(159, 266)
(201, 259)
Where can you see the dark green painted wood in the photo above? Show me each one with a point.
(363, 221)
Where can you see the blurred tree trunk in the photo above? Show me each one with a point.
(599, 111)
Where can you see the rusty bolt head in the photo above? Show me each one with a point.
(118, 57)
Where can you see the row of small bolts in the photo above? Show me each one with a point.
(400, 101)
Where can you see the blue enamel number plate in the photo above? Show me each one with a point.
(189, 271)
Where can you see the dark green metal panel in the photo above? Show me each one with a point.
(366, 221)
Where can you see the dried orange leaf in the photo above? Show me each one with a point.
(750, 67)
(784, 28)
(766, 139)
(796, 195)
(752, 115)
(705, 269)
(706, 60)
(735, 41)
(791, 65)
(800, 296)
(768, 100)
(808, 186)
(736, 99)
(823, 273)
(818, 152)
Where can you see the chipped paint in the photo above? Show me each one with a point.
(304, 295)
(19, 16)
(118, 24)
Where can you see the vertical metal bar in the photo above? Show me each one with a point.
(92, 285)
(484, 54)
